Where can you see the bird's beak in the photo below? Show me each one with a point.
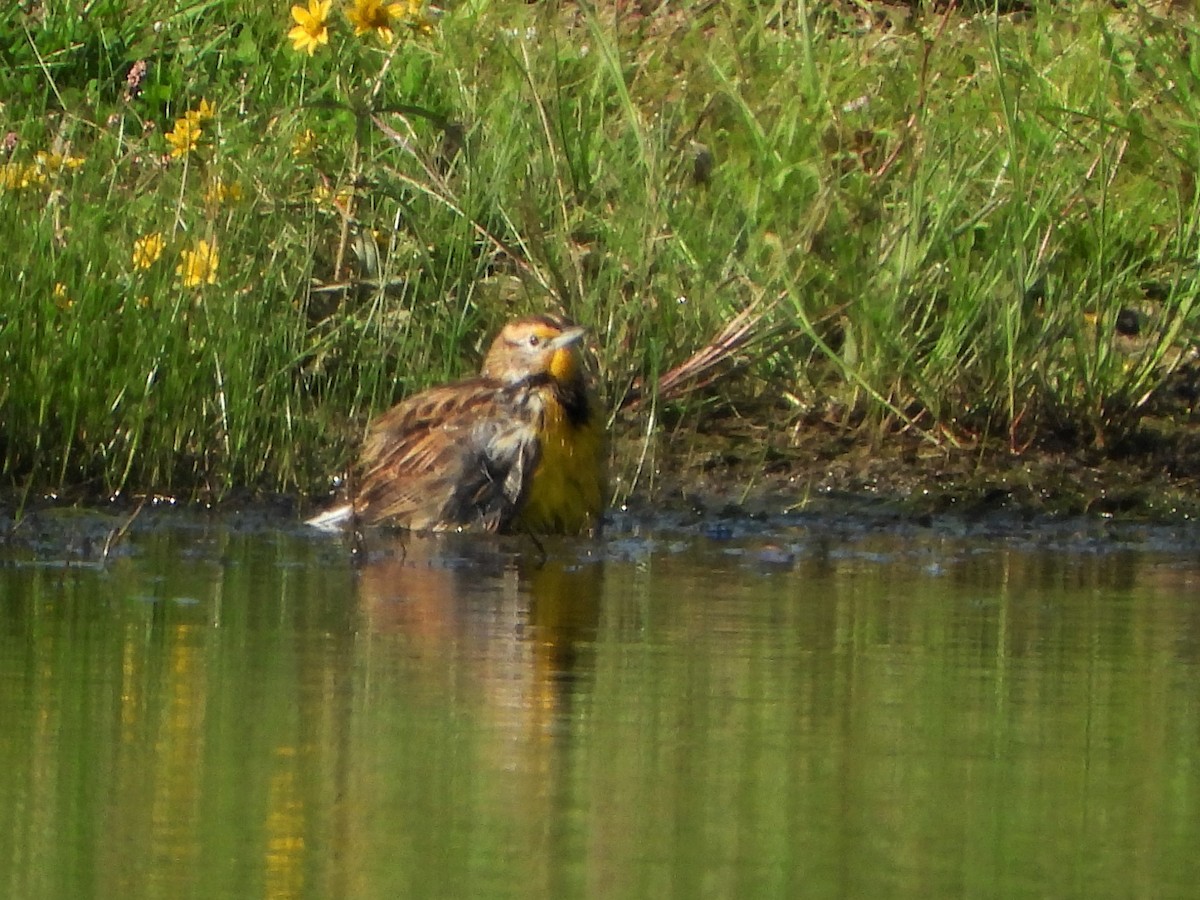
(564, 363)
(568, 337)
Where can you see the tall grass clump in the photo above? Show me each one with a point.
(236, 230)
(994, 193)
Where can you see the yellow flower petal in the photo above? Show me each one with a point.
(373, 15)
(311, 29)
(185, 137)
(147, 250)
(199, 265)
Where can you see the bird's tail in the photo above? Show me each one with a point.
(334, 519)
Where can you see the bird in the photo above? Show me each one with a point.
(520, 447)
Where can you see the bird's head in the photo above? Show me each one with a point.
(532, 346)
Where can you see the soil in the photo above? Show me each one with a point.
(1153, 476)
(744, 479)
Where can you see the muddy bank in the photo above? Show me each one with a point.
(1153, 476)
(742, 482)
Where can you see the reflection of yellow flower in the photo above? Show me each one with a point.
(147, 250)
(374, 15)
(311, 29)
(198, 266)
(185, 137)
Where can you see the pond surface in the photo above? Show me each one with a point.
(797, 708)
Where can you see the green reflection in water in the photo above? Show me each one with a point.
(218, 713)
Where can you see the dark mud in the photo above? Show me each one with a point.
(817, 468)
(753, 486)
(766, 521)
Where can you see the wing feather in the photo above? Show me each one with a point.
(459, 456)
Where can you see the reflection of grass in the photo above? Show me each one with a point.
(940, 218)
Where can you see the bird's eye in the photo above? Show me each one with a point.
(534, 340)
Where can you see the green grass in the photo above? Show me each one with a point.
(939, 214)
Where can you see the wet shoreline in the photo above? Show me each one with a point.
(759, 486)
(1043, 500)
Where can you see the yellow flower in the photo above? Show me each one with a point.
(185, 138)
(222, 191)
(61, 299)
(34, 174)
(311, 29)
(324, 196)
(14, 176)
(45, 161)
(423, 22)
(198, 266)
(421, 18)
(147, 250)
(305, 143)
(374, 15)
(203, 112)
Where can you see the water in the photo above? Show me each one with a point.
(799, 709)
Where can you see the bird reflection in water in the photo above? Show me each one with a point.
(517, 623)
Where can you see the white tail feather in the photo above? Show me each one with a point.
(334, 519)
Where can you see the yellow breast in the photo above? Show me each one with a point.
(566, 493)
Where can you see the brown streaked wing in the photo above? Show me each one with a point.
(420, 412)
(455, 456)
